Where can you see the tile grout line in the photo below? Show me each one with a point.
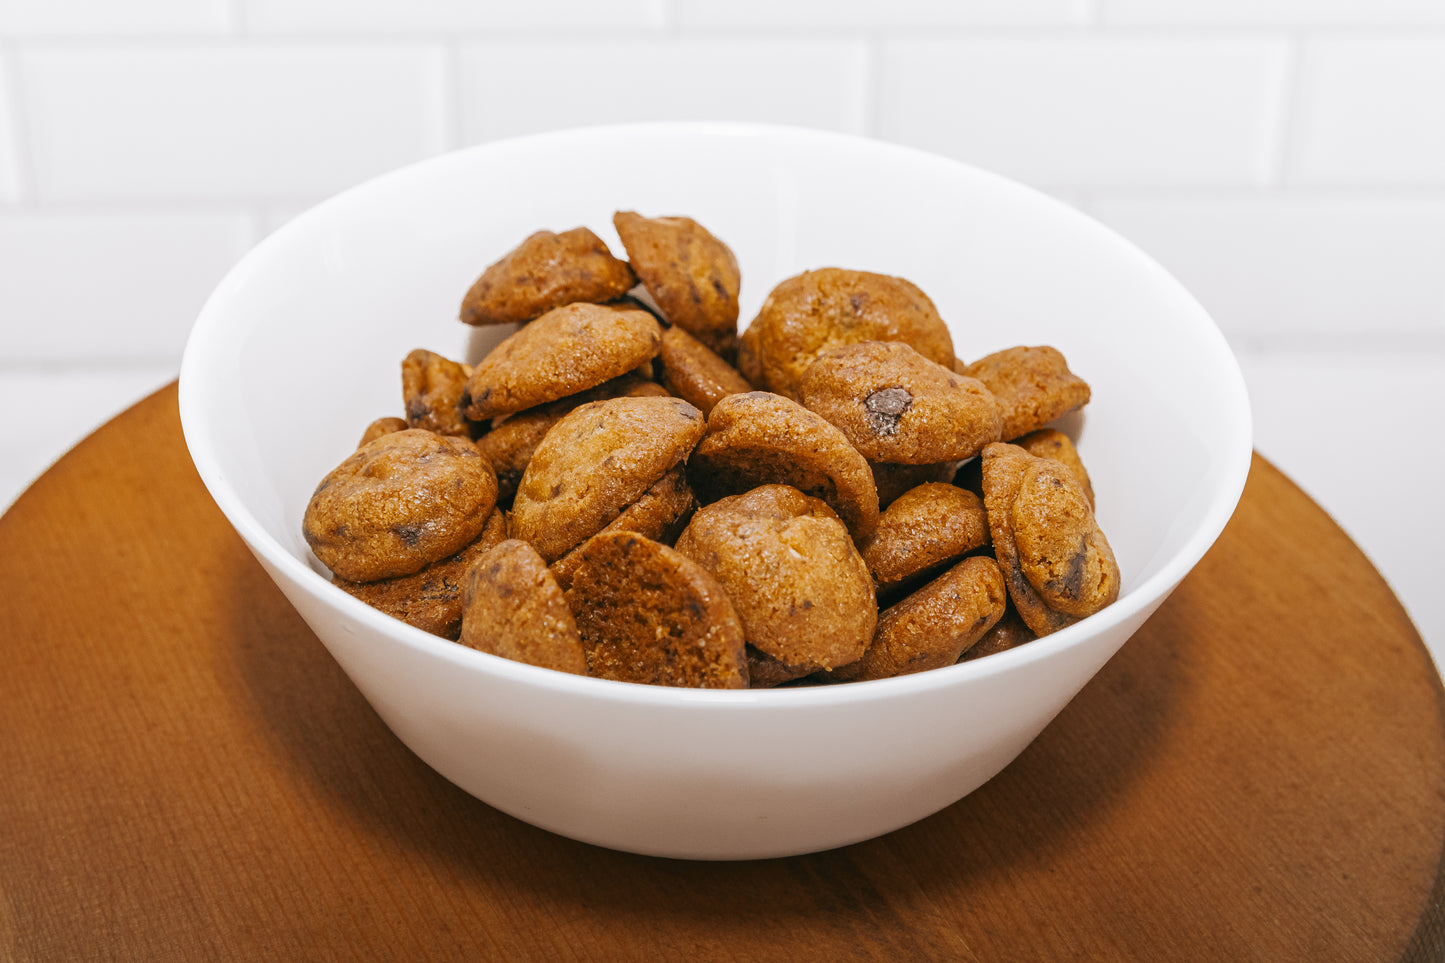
(10, 368)
(236, 27)
(1292, 121)
(1089, 22)
(27, 186)
(452, 92)
(870, 105)
(1282, 114)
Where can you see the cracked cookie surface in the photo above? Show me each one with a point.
(646, 613)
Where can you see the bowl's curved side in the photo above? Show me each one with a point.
(731, 778)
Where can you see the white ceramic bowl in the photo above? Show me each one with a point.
(300, 346)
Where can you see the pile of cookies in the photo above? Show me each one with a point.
(628, 489)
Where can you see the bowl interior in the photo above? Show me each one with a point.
(300, 346)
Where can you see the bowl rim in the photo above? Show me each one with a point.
(203, 346)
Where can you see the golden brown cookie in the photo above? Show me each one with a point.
(513, 438)
(925, 528)
(398, 504)
(381, 426)
(749, 361)
(799, 586)
(1057, 563)
(817, 309)
(765, 672)
(510, 443)
(1033, 386)
(596, 461)
(567, 350)
(546, 271)
(648, 614)
(932, 627)
(660, 514)
(1052, 443)
(760, 438)
(694, 372)
(514, 609)
(893, 480)
(894, 405)
(430, 599)
(1009, 632)
(692, 276)
(431, 388)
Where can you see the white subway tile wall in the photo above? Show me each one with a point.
(1090, 111)
(1370, 111)
(850, 14)
(521, 87)
(442, 17)
(115, 18)
(1277, 269)
(90, 287)
(1261, 13)
(10, 189)
(1285, 158)
(228, 122)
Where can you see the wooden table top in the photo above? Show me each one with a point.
(186, 774)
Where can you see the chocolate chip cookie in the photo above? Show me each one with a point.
(514, 609)
(432, 387)
(399, 503)
(567, 350)
(932, 627)
(894, 405)
(546, 271)
(596, 461)
(692, 276)
(694, 372)
(760, 438)
(817, 309)
(646, 613)
(430, 599)
(1033, 386)
(803, 594)
(1057, 563)
(926, 527)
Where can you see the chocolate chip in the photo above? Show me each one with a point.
(885, 407)
(410, 534)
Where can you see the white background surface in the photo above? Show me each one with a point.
(1285, 158)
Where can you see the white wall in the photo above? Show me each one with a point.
(1286, 158)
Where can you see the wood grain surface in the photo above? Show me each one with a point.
(186, 774)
